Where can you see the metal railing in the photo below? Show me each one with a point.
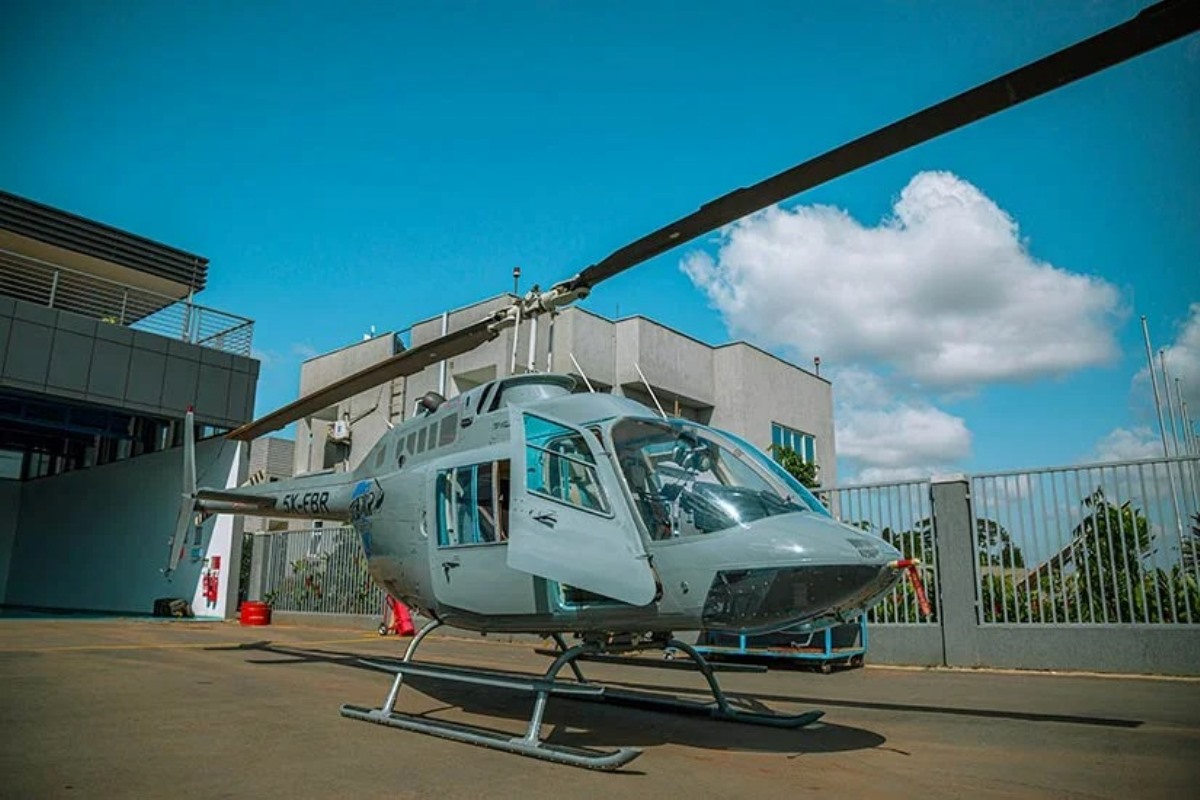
(1091, 544)
(322, 570)
(55, 286)
(900, 514)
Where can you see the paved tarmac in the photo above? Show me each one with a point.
(157, 708)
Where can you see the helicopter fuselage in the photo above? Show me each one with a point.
(521, 506)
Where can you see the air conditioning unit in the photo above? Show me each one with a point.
(340, 432)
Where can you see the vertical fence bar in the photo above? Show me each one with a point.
(1048, 554)
(1140, 560)
(979, 495)
(1102, 505)
(999, 486)
(1067, 549)
(1124, 539)
(1081, 545)
(1155, 544)
(898, 537)
(1033, 591)
(1186, 573)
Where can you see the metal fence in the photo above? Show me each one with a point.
(900, 514)
(321, 570)
(1093, 544)
(116, 303)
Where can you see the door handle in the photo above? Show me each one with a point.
(547, 518)
(449, 565)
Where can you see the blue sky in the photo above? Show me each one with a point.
(374, 163)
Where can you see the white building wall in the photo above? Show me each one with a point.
(736, 387)
(754, 389)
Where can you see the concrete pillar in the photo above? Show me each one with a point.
(954, 538)
(258, 568)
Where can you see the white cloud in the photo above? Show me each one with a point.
(944, 291)
(1183, 360)
(902, 435)
(1124, 444)
(893, 474)
(1182, 357)
(889, 435)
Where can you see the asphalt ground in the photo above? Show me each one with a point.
(157, 708)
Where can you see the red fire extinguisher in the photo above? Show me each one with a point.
(211, 583)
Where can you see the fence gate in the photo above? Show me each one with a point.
(320, 570)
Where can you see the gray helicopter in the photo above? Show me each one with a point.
(523, 506)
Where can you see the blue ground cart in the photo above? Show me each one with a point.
(841, 645)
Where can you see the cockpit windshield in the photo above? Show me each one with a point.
(685, 482)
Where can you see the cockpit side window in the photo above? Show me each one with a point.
(560, 465)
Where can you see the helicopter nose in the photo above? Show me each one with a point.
(840, 572)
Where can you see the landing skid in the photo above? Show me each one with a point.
(542, 687)
(720, 710)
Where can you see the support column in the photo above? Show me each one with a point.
(954, 538)
(258, 568)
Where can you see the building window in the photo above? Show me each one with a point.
(805, 444)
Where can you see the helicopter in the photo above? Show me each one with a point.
(524, 506)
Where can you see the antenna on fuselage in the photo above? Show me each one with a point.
(646, 383)
(582, 374)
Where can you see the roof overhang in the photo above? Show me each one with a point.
(38, 231)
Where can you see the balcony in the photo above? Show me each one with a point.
(55, 286)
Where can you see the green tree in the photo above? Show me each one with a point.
(794, 463)
(995, 546)
(1108, 548)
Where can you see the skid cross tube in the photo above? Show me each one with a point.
(721, 711)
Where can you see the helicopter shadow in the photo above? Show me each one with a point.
(590, 724)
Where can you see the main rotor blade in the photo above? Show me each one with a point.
(1153, 27)
(399, 365)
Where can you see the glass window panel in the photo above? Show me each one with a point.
(448, 429)
(464, 504)
(560, 465)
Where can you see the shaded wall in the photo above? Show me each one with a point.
(97, 539)
(57, 353)
(10, 505)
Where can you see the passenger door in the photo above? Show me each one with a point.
(469, 530)
(569, 521)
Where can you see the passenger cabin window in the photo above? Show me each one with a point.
(448, 430)
(559, 465)
(472, 504)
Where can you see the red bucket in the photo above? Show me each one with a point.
(255, 612)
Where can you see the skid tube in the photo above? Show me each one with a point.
(531, 744)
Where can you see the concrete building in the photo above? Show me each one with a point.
(735, 387)
(102, 351)
(271, 458)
